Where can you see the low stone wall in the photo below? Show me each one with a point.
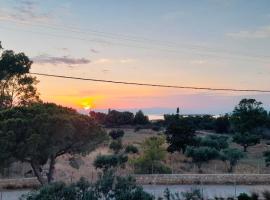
(20, 183)
(163, 179)
(173, 179)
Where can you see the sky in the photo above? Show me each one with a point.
(207, 43)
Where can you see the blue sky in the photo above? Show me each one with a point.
(208, 43)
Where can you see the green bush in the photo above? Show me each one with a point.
(107, 187)
(116, 145)
(243, 196)
(106, 162)
(116, 134)
(266, 195)
(131, 149)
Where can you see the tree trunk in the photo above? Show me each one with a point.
(51, 169)
(37, 172)
(245, 148)
(230, 168)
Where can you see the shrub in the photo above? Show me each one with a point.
(105, 162)
(254, 196)
(116, 134)
(107, 187)
(193, 194)
(266, 195)
(116, 145)
(131, 149)
(243, 196)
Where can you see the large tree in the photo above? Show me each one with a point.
(248, 116)
(17, 87)
(179, 135)
(40, 133)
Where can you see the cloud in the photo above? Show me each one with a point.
(25, 10)
(46, 59)
(114, 61)
(260, 33)
(94, 51)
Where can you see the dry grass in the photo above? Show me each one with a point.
(252, 163)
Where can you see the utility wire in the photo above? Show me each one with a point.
(174, 48)
(151, 84)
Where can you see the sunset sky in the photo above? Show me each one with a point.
(207, 43)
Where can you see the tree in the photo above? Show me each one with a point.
(17, 87)
(98, 116)
(201, 155)
(131, 149)
(266, 155)
(231, 155)
(116, 134)
(248, 116)
(40, 133)
(214, 141)
(116, 146)
(114, 118)
(179, 135)
(140, 118)
(153, 153)
(222, 124)
(246, 140)
(106, 162)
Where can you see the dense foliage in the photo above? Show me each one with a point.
(232, 156)
(17, 87)
(151, 159)
(107, 187)
(40, 133)
(179, 134)
(201, 155)
(117, 118)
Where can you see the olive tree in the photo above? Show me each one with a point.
(201, 155)
(232, 156)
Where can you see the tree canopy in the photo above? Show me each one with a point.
(39, 133)
(248, 116)
(17, 87)
(179, 134)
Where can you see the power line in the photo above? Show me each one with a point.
(151, 84)
(174, 48)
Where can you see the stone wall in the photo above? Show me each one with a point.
(245, 179)
(164, 179)
(19, 183)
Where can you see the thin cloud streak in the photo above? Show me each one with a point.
(46, 59)
(260, 33)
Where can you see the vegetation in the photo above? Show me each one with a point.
(17, 87)
(151, 160)
(248, 117)
(266, 155)
(140, 118)
(106, 162)
(131, 149)
(179, 134)
(40, 133)
(116, 134)
(201, 155)
(213, 141)
(222, 124)
(107, 187)
(232, 156)
(246, 140)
